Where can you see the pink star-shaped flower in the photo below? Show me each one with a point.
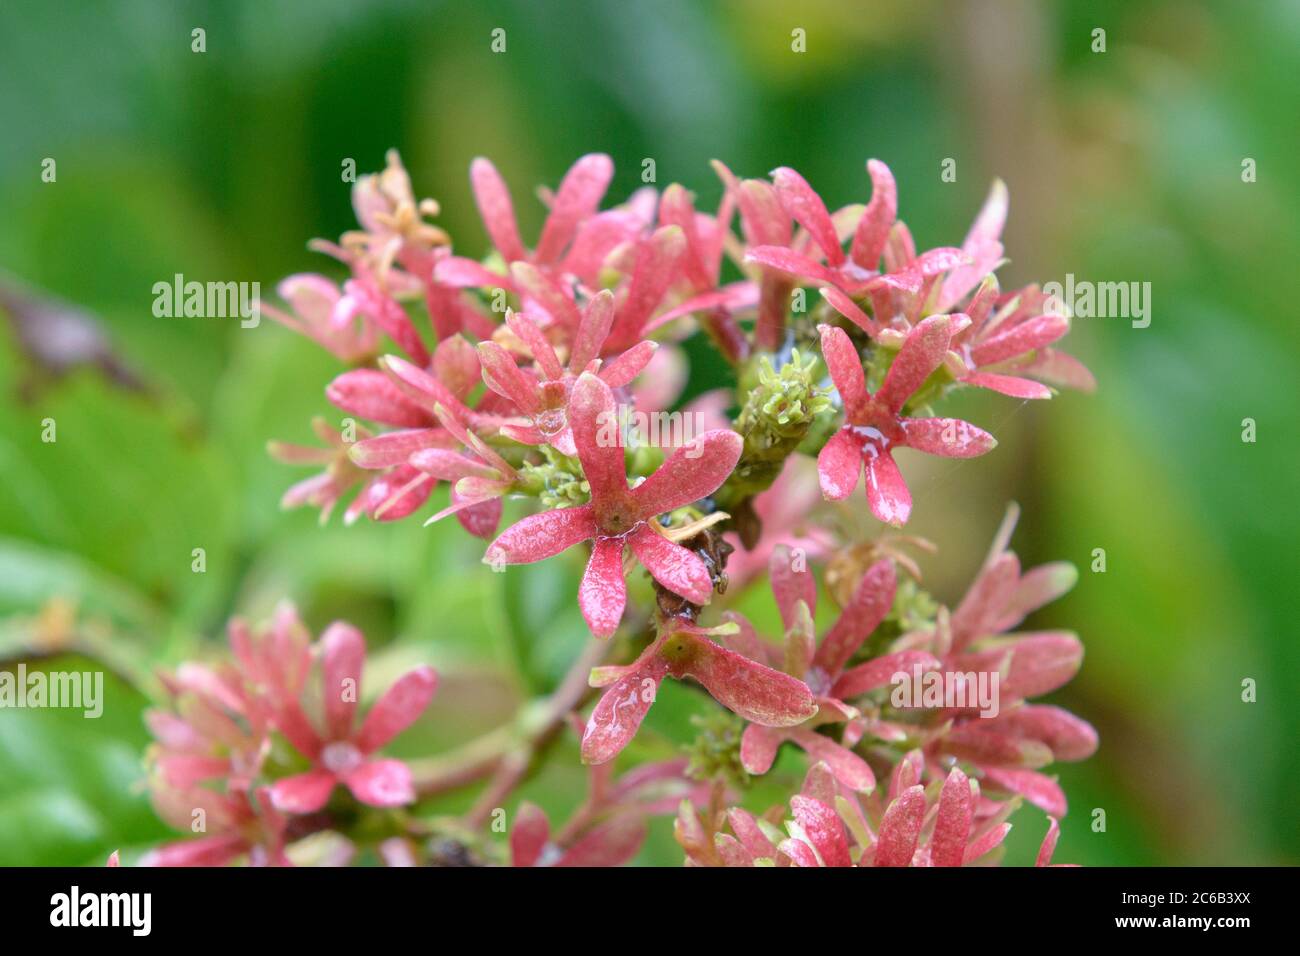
(877, 234)
(874, 425)
(618, 517)
(745, 687)
(543, 398)
(344, 753)
(824, 667)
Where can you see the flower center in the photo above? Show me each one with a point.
(341, 757)
(818, 681)
(550, 422)
(874, 441)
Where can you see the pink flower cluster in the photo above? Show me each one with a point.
(238, 758)
(509, 376)
(949, 823)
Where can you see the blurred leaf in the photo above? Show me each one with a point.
(69, 785)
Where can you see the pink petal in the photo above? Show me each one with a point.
(949, 437)
(953, 823)
(839, 464)
(343, 654)
(293, 724)
(1039, 789)
(773, 299)
(677, 208)
(619, 713)
(733, 297)
(1048, 846)
(981, 244)
(545, 294)
(849, 769)
(1025, 337)
(872, 600)
(976, 742)
(466, 437)
(455, 363)
(820, 784)
(749, 833)
(792, 264)
(369, 394)
(1069, 737)
(461, 273)
(900, 827)
(597, 320)
(879, 672)
(846, 307)
(542, 535)
(678, 569)
(396, 447)
(887, 493)
(607, 674)
(603, 593)
(594, 420)
(529, 835)
(423, 388)
(732, 851)
(807, 208)
(382, 783)
(900, 248)
(845, 366)
(629, 365)
(1057, 368)
(744, 687)
(183, 771)
(1008, 385)
(922, 352)
(398, 708)
(824, 829)
(1041, 663)
(480, 518)
(1037, 587)
(765, 220)
(747, 642)
(873, 228)
(507, 379)
(654, 272)
(907, 773)
(396, 494)
(598, 237)
(800, 853)
(758, 747)
(311, 296)
(986, 842)
(578, 197)
(218, 849)
(693, 471)
(933, 262)
(984, 599)
(494, 205)
(303, 793)
(541, 350)
(450, 465)
(791, 586)
(612, 843)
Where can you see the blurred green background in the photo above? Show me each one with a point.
(1122, 166)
